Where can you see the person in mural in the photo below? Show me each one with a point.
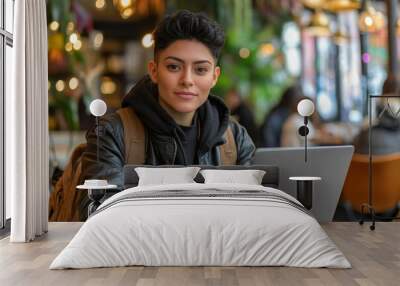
(271, 129)
(184, 124)
(241, 112)
(385, 130)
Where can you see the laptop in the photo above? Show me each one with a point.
(331, 163)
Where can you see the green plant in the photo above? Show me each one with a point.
(246, 63)
(65, 61)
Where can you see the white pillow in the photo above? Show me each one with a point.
(162, 176)
(248, 177)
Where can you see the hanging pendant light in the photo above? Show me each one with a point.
(341, 5)
(370, 20)
(139, 8)
(319, 25)
(126, 8)
(313, 4)
(340, 37)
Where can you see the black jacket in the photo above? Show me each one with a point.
(163, 136)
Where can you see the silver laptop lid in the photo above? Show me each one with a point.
(328, 162)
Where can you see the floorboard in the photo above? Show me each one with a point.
(374, 255)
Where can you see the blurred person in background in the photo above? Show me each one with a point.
(319, 133)
(385, 130)
(271, 130)
(241, 112)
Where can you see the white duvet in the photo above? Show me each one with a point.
(183, 231)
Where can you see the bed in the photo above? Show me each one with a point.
(201, 224)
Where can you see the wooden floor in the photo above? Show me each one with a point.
(374, 255)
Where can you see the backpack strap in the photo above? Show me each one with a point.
(229, 150)
(134, 139)
(134, 136)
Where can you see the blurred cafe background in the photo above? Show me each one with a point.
(334, 52)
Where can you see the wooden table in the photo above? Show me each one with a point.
(374, 255)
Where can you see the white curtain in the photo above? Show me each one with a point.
(26, 124)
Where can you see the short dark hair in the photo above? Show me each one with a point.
(186, 25)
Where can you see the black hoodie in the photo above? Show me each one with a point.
(213, 118)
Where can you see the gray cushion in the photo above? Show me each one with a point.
(270, 179)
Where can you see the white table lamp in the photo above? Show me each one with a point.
(98, 108)
(305, 108)
(96, 188)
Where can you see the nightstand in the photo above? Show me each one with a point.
(305, 189)
(95, 194)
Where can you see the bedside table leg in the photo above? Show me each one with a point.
(304, 193)
(95, 196)
(93, 207)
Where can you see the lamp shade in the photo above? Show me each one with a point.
(98, 107)
(125, 7)
(319, 25)
(313, 4)
(305, 107)
(341, 5)
(370, 20)
(340, 37)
